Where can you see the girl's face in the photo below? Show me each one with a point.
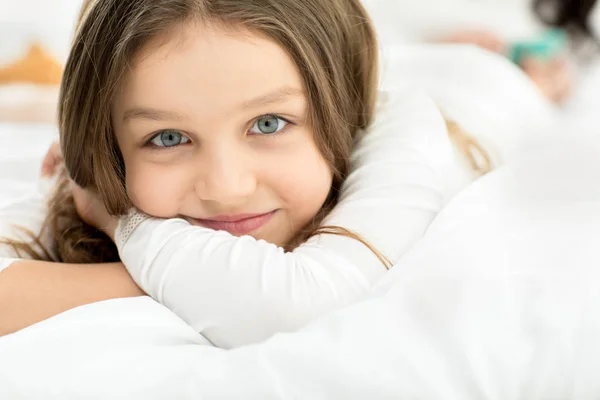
(211, 123)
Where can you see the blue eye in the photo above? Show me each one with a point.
(169, 138)
(268, 125)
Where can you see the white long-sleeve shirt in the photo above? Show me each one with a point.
(237, 290)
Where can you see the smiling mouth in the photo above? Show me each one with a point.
(242, 224)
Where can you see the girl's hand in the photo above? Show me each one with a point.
(88, 203)
(52, 160)
(92, 210)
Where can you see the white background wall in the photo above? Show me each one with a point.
(51, 21)
(411, 20)
(48, 21)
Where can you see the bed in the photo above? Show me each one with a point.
(499, 300)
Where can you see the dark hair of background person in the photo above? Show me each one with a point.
(571, 15)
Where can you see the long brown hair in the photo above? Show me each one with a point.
(332, 42)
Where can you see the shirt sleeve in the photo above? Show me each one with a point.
(237, 290)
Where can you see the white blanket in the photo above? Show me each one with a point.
(500, 300)
(484, 93)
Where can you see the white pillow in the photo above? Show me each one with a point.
(484, 93)
(500, 300)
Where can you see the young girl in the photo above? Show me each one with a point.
(232, 125)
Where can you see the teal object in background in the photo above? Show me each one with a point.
(546, 47)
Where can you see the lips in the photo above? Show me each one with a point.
(241, 224)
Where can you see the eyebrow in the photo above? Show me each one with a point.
(278, 95)
(151, 114)
(282, 94)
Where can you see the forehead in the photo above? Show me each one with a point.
(208, 66)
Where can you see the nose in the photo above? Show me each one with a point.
(225, 176)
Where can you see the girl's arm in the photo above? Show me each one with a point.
(238, 290)
(32, 291)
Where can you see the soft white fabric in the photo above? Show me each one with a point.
(460, 79)
(500, 300)
(23, 195)
(28, 213)
(24, 214)
(417, 21)
(581, 116)
(22, 148)
(238, 290)
(484, 93)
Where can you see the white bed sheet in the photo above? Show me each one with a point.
(500, 300)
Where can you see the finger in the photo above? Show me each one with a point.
(56, 152)
(51, 160)
(49, 165)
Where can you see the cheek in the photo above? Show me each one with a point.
(304, 181)
(155, 189)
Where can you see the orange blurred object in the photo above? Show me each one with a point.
(36, 67)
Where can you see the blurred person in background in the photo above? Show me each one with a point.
(545, 38)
